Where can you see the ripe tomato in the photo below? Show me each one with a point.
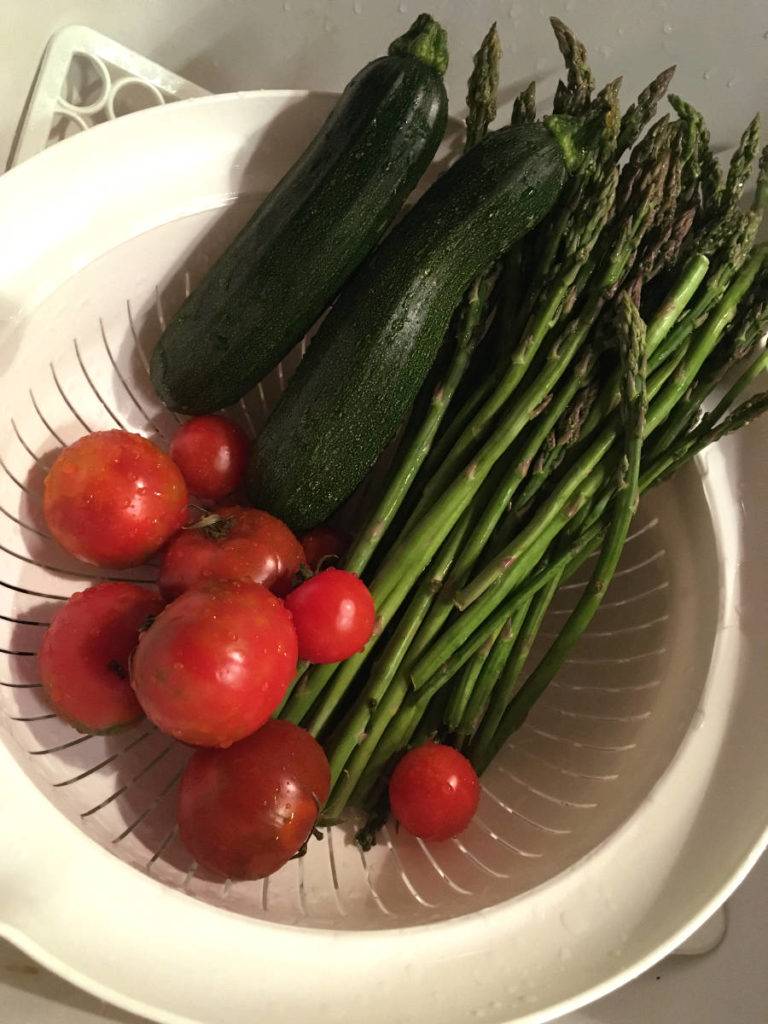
(216, 662)
(113, 499)
(434, 791)
(244, 811)
(334, 616)
(322, 542)
(242, 544)
(212, 453)
(83, 660)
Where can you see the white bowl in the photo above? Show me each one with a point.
(612, 825)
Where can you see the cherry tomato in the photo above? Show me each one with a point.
(244, 811)
(241, 544)
(434, 791)
(113, 499)
(216, 662)
(83, 660)
(212, 453)
(334, 616)
(323, 542)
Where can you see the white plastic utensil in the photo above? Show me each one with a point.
(84, 79)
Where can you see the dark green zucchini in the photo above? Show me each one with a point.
(372, 352)
(289, 261)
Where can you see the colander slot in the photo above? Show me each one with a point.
(67, 401)
(25, 526)
(481, 823)
(56, 436)
(152, 806)
(164, 844)
(150, 421)
(581, 744)
(134, 779)
(107, 407)
(42, 461)
(514, 811)
(398, 868)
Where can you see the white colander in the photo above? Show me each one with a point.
(615, 821)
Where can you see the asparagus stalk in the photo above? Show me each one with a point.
(524, 107)
(634, 408)
(573, 98)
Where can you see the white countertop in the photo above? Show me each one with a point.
(225, 45)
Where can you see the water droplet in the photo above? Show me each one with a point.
(730, 83)
(698, 719)
(287, 5)
(707, 75)
(328, 25)
(357, 7)
(619, 31)
(403, 8)
(667, 28)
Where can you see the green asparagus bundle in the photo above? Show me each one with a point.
(608, 348)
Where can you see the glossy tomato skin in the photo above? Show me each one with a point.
(112, 499)
(334, 616)
(84, 657)
(323, 542)
(250, 545)
(244, 811)
(212, 452)
(434, 791)
(215, 664)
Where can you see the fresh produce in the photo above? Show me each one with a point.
(215, 663)
(575, 366)
(243, 812)
(575, 377)
(113, 499)
(232, 543)
(434, 791)
(334, 615)
(212, 454)
(324, 542)
(289, 261)
(372, 352)
(85, 655)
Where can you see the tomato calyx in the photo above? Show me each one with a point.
(119, 669)
(214, 526)
(307, 573)
(314, 832)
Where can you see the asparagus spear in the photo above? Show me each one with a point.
(634, 407)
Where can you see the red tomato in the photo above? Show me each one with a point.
(215, 664)
(83, 660)
(113, 499)
(434, 791)
(334, 616)
(244, 811)
(323, 542)
(212, 453)
(244, 544)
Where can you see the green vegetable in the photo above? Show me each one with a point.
(289, 261)
(372, 353)
(566, 410)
